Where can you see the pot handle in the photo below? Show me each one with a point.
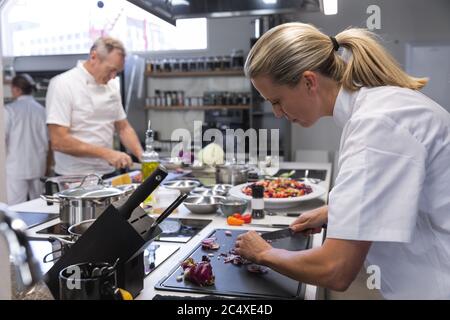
(61, 240)
(51, 199)
(100, 180)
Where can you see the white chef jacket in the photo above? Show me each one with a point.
(26, 139)
(76, 101)
(393, 188)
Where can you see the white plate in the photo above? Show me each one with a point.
(279, 203)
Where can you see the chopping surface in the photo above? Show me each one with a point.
(236, 280)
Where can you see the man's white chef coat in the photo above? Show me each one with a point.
(76, 101)
(26, 139)
(393, 188)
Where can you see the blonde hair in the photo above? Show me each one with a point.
(105, 45)
(288, 50)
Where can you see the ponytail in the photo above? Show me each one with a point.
(370, 65)
(288, 50)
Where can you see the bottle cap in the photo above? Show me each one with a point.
(257, 191)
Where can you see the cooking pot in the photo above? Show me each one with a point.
(233, 174)
(87, 202)
(75, 231)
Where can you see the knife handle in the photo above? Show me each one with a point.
(143, 191)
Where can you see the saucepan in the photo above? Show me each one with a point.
(75, 232)
(87, 201)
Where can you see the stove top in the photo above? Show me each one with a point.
(33, 219)
(173, 229)
(180, 230)
(60, 229)
(157, 253)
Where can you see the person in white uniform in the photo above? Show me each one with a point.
(26, 142)
(84, 109)
(390, 206)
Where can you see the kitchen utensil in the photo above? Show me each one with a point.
(278, 234)
(231, 206)
(84, 281)
(233, 174)
(169, 210)
(287, 214)
(121, 231)
(184, 186)
(268, 225)
(306, 179)
(206, 192)
(86, 201)
(203, 204)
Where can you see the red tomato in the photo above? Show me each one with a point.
(247, 217)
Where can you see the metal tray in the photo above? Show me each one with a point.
(232, 280)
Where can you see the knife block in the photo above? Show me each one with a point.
(111, 236)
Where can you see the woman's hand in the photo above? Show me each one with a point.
(251, 246)
(311, 221)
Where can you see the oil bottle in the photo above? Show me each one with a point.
(150, 158)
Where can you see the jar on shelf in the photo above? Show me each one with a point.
(192, 65)
(226, 62)
(210, 64)
(201, 64)
(176, 66)
(218, 63)
(237, 59)
(167, 67)
(184, 65)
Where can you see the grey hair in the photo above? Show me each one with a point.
(105, 45)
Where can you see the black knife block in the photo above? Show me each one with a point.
(110, 237)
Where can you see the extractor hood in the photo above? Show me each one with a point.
(170, 10)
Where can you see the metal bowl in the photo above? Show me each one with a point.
(203, 204)
(172, 163)
(231, 206)
(185, 186)
(205, 192)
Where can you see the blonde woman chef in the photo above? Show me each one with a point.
(390, 205)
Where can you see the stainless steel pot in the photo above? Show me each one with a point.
(75, 232)
(87, 202)
(233, 174)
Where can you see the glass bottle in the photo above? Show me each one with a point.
(257, 202)
(150, 158)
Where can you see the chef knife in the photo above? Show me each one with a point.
(268, 225)
(279, 234)
(143, 191)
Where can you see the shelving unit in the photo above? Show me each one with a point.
(219, 73)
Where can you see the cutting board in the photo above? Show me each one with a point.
(232, 280)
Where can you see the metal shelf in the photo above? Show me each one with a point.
(221, 73)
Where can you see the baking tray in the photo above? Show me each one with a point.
(232, 280)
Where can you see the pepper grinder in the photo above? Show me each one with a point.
(257, 202)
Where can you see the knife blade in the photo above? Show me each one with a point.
(268, 225)
(279, 234)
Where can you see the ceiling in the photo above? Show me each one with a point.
(170, 10)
